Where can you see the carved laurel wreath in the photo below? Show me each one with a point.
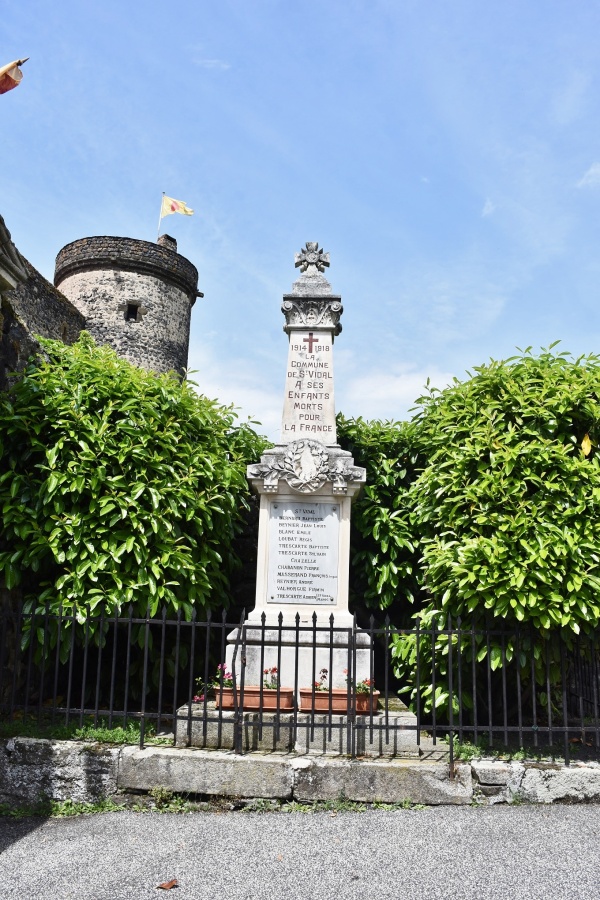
(305, 480)
(311, 477)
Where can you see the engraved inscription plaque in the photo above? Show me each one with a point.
(308, 406)
(303, 552)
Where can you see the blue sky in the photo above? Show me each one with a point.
(447, 155)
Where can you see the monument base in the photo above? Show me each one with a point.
(301, 733)
(300, 654)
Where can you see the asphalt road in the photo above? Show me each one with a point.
(530, 852)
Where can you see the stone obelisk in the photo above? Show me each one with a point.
(306, 485)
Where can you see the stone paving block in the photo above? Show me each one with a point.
(489, 772)
(387, 781)
(214, 773)
(547, 783)
(32, 770)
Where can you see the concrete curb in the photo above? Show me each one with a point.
(535, 782)
(283, 777)
(384, 781)
(32, 770)
(209, 772)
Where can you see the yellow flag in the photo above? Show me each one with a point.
(11, 75)
(174, 206)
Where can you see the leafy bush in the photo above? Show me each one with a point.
(118, 486)
(385, 555)
(486, 505)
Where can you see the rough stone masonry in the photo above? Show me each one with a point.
(33, 770)
(136, 296)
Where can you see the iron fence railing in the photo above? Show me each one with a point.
(460, 681)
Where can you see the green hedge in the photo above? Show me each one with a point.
(486, 505)
(118, 486)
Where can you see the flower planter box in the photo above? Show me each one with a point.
(252, 698)
(365, 703)
(339, 701)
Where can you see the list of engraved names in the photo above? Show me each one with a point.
(303, 552)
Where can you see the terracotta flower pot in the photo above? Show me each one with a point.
(339, 701)
(364, 703)
(252, 698)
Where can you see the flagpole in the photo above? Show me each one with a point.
(160, 217)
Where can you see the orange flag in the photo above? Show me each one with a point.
(11, 75)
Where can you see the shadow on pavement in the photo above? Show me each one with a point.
(13, 830)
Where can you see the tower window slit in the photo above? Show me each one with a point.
(132, 313)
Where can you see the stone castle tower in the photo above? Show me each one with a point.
(136, 296)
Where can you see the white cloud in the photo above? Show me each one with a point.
(591, 177)
(219, 64)
(462, 300)
(385, 394)
(488, 208)
(375, 393)
(233, 382)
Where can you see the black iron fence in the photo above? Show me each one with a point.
(378, 690)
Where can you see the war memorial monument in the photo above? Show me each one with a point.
(306, 485)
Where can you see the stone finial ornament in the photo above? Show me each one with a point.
(311, 256)
(312, 262)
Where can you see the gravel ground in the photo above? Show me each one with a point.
(440, 852)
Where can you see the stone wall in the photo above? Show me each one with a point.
(34, 770)
(136, 297)
(46, 311)
(12, 264)
(33, 308)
